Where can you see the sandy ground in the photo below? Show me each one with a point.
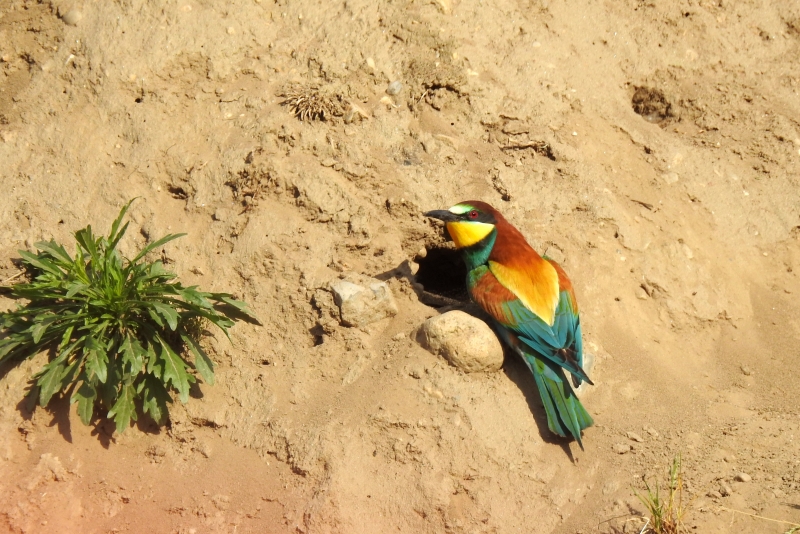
(651, 147)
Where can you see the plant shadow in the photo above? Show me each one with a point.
(103, 428)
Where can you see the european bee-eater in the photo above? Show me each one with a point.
(532, 303)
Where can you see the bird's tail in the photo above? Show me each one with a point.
(566, 416)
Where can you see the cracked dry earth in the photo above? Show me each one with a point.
(650, 147)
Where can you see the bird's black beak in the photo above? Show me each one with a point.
(442, 215)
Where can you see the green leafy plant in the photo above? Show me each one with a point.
(666, 513)
(121, 331)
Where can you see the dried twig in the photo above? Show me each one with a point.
(790, 523)
(14, 277)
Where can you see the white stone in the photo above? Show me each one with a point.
(362, 300)
(463, 340)
(72, 17)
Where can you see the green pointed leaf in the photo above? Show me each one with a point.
(38, 330)
(154, 398)
(221, 322)
(155, 317)
(168, 313)
(124, 409)
(113, 237)
(155, 365)
(202, 362)
(7, 347)
(85, 238)
(113, 241)
(75, 288)
(133, 354)
(175, 371)
(108, 391)
(96, 359)
(66, 336)
(241, 310)
(157, 269)
(70, 371)
(49, 381)
(55, 250)
(42, 263)
(85, 396)
(198, 298)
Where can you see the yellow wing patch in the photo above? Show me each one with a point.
(536, 286)
(466, 234)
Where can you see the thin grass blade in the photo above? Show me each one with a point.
(113, 237)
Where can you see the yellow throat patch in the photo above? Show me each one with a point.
(466, 234)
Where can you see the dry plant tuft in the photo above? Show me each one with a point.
(667, 511)
(311, 103)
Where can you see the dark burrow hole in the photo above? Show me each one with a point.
(442, 272)
(177, 192)
(652, 105)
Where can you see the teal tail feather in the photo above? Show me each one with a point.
(566, 416)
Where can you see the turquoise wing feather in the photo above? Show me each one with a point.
(546, 350)
(561, 343)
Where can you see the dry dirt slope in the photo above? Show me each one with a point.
(678, 224)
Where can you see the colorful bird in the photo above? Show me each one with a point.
(533, 305)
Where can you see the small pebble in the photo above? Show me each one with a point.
(394, 88)
(398, 336)
(725, 489)
(72, 17)
(746, 370)
(743, 477)
(635, 437)
(714, 495)
(621, 448)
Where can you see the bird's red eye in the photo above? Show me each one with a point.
(473, 214)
